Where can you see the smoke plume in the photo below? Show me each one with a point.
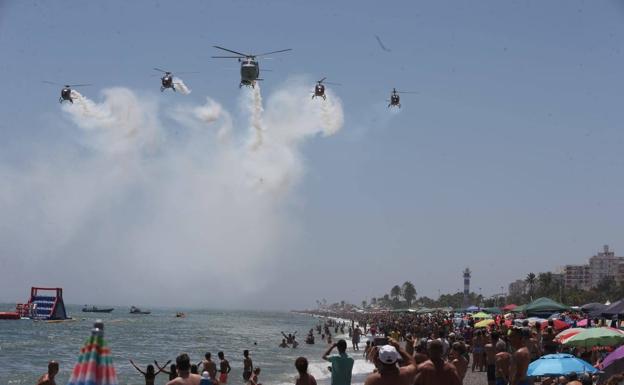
(180, 86)
(160, 207)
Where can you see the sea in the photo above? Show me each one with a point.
(26, 346)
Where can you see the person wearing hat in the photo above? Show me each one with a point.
(388, 372)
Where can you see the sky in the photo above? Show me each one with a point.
(506, 160)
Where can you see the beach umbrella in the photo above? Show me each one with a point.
(95, 364)
(510, 307)
(614, 356)
(592, 337)
(582, 323)
(568, 333)
(557, 324)
(557, 365)
(614, 368)
(481, 315)
(472, 308)
(485, 323)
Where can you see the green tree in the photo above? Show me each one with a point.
(395, 292)
(530, 280)
(409, 292)
(545, 284)
(364, 304)
(373, 301)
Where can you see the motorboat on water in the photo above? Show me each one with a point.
(95, 309)
(136, 310)
(180, 315)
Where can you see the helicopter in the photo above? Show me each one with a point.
(395, 100)
(66, 91)
(319, 89)
(167, 79)
(250, 69)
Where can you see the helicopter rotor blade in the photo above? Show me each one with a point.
(406, 92)
(187, 72)
(272, 52)
(322, 80)
(49, 82)
(80, 85)
(229, 50)
(158, 69)
(333, 84)
(228, 57)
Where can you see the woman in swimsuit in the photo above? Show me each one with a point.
(173, 370)
(149, 374)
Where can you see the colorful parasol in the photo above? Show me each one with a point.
(557, 324)
(568, 333)
(594, 337)
(485, 323)
(95, 364)
(558, 364)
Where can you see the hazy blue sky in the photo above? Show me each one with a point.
(508, 160)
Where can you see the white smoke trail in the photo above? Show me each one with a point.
(256, 110)
(180, 86)
(331, 114)
(180, 213)
(122, 122)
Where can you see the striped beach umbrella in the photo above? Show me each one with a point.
(95, 364)
(596, 337)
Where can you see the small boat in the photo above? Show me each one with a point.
(180, 315)
(136, 310)
(95, 309)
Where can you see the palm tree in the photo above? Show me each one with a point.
(395, 292)
(545, 284)
(409, 292)
(530, 280)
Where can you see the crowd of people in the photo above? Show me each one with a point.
(405, 348)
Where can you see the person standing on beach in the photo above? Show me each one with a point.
(388, 372)
(436, 371)
(503, 359)
(224, 368)
(185, 377)
(458, 350)
(342, 364)
(247, 366)
(490, 357)
(209, 366)
(48, 378)
(355, 339)
(520, 357)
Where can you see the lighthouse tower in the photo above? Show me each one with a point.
(466, 287)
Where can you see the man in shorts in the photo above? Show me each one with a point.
(224, 368)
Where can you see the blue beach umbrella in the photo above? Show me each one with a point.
(558, 364)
